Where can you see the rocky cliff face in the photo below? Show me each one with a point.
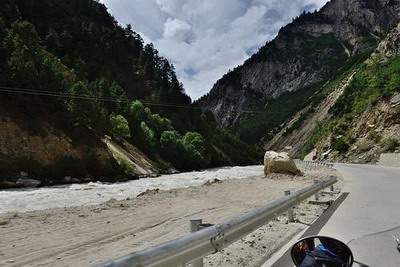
(390, 46)
(305, 52)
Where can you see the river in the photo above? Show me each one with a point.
(22, 200)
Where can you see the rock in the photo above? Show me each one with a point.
(149, 192)
(75, 181)
(279, 163)
(311, 156)
(395, 99)
(288, 149)
(215, 181)
(326, 153)
(22, 182)
(4, 222)
(7, 184)
(23, 175)
(88, 179)
(172, 171)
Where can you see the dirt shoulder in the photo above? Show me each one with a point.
(84, 236)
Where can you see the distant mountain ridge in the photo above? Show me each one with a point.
(349, 114)
(308, 51)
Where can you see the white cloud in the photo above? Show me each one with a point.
(206, 38)
(178, 30)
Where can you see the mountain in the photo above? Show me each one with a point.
(289, 73)
(364, 122)
(84, 99)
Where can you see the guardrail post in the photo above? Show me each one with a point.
(195, 226)
(290, 213)
(316, 194)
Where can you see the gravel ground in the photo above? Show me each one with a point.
(86, 235)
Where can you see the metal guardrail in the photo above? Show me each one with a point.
(309, 165)
(195, 246)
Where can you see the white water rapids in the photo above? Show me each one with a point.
(23, 200)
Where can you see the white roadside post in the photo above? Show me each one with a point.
(195, 225)
(316, 194)
(332, 186)
(290, 213)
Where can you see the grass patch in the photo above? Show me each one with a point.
(389, 144)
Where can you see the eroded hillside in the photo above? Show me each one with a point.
(359, 120)
(367, 117)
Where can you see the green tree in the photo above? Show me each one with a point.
(147, 135)
(119, 126)
(172, 147)
(194, 140)
(85, 109)
(159, 124)
(137, 113)
(22, 44)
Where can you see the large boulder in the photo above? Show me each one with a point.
(5, 184)
(311, 156)
(279, 163)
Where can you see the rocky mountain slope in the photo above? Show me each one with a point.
(307, 53)
(296, 131)
(371, 126)
(358, 119)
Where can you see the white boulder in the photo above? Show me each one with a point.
(279, 163)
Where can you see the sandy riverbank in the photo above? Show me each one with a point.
(83, 236)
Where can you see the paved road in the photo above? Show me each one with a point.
(369, 216)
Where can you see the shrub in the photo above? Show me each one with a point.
(364, 146)
(375, 136)
(147, 135)
(119, 126)
(172, 147)
(194, 139)
(159, 124)
(136, 114)
(184, 153)
(389, 144)
(341, 145)
(320, 131)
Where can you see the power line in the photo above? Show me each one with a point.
(39, 92)
(54, 92)
(84, 97)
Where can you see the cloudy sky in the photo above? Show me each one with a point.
(206, 38)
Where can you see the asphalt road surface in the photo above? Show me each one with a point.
(368, 217)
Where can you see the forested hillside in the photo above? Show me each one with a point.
(71, 76)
